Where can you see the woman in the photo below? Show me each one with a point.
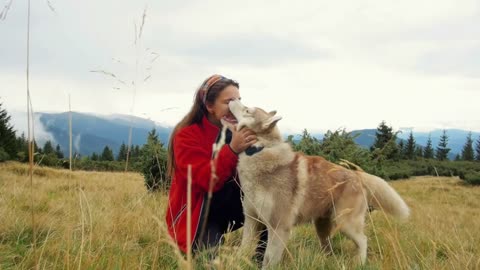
(191, 143)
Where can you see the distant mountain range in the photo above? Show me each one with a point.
(91, 133)
(456, 138)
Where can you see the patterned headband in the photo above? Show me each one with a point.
(207, 84)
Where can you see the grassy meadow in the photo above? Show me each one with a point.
(93, 220)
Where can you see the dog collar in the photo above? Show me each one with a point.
(252, 150)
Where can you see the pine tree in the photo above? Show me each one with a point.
(107, 154)
(442, 149)
(340, 144)
(477, 148)
(154, 162)
(8, 142)
(410, 147)
(94, 156)
(58, 151)
(418, 151)
(122, 153)
(36, 148)
(385, 142)
(136, 151)
(48, 148)
(22, 148)
(401, 149)
(428, 151)
(308, 144)
(383, 134)
(467, 151)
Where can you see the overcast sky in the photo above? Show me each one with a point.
(321, 64)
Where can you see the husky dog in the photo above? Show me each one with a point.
(283, 188)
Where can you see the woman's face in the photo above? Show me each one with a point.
(219, 109)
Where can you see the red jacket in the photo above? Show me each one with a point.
(194, 145)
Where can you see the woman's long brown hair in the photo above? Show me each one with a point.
(195, 115)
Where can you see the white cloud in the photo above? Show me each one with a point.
(76, 142)
(321, 64)
(20, 123)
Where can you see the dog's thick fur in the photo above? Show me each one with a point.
(283, 188)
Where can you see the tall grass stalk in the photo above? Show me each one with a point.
(70, 131)
(137, 45)
(189, 218)
(129, 147)
(82, 219)
(213, 178)
(31, 142)
(6, 8)
(135, 82)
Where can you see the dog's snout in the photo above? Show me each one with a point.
(233, 103)
(233, 100)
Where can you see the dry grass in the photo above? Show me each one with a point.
(104, 220)
(89, 220)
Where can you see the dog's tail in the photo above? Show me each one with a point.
(382, 196)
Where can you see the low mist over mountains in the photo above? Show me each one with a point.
(91, 133)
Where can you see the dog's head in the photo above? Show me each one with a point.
(254, 118)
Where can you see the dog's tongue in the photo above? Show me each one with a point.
(230, 119)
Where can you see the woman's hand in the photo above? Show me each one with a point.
(242, 139)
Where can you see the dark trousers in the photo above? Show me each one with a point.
(225, 215)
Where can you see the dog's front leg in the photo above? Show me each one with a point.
(250, 231)
(277, 242)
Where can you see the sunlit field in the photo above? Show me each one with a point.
(90, 220)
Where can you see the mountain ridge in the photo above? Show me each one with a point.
(92, 132)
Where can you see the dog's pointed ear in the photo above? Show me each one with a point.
(271, 122)
(272, 113)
